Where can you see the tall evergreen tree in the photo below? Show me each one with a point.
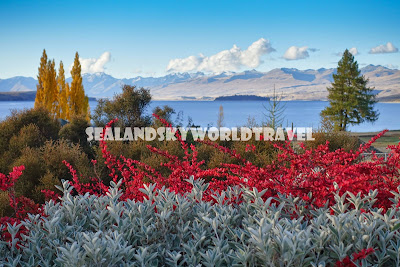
(79, 103)
(39, 100)
(350, 100)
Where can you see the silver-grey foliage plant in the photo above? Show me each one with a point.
(169, 229)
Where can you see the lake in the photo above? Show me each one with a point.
(236, 113)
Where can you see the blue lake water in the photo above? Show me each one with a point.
(236, 113)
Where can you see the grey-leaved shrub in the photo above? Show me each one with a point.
(168, 229)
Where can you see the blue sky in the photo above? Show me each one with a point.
(147, 37)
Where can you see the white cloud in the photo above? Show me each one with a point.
(391, 66)
(226, 60)
(142, 72)
(353, 51)
(382, 49)
(294, 53)
(92, 65)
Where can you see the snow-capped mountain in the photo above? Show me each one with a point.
(163, 81)
(100, 84)
(17, 84)
(292, 83)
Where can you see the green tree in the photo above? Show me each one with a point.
(165, 113)
(351, 101)
(129, 107)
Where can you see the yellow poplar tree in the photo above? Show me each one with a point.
(62, 89)
(68, 96)
(39, 100)
(79, 103)
(58, 97)
(50, 88)
(86, 108)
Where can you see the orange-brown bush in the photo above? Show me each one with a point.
(336, 139)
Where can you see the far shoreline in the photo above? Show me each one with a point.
(93, 99)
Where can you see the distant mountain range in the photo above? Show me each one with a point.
(293, 84)
(18, 84)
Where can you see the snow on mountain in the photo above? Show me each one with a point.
(246, 75)
(17, 84)
(292, 83)
(100, 84)
(163, 81)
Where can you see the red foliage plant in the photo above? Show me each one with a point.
(311, 174)
(349, 261)
(21, 205)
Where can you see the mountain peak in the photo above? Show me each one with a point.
(372, 67)
(296, 84)
(96, 74)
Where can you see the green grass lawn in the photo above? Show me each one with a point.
(390, 138)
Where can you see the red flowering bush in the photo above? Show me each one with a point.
(7, 182)
(312, 174)
(349, 261)
(21, 205)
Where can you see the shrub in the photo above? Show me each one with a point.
(26, 128)
(259, 153)
(45, 162)
(5, 208)
(314, 182)
(337, 140)
(47, 182)
(164, 112)
(55, 152)
(75, 133)
(310, 175)
(12, 125)
(35, 167)
(183, 230)
(136, 150)
(28, 136)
